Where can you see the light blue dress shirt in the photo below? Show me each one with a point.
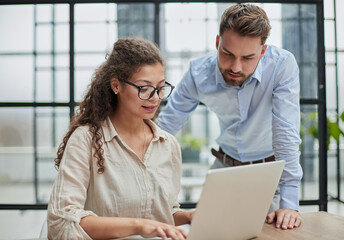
(259, 119)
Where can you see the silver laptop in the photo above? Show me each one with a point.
(235, 201)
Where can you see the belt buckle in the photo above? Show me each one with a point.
(258, 161)
(224, 158)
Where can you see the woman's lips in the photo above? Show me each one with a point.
(150, 108)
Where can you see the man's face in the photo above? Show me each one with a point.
(238, 56)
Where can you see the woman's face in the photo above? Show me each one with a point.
(129, 102)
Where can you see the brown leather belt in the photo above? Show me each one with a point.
(233, 162)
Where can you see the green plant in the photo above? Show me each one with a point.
(333, 130)
(188, 141)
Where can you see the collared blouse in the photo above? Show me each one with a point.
(128, 187)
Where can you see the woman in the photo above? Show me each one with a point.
(119, 174)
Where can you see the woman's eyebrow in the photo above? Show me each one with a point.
(147, 81)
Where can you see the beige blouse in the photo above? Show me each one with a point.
(127, 188)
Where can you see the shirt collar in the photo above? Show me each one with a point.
(218, 75)
(258, 72)
(110, 132)
(157, 132)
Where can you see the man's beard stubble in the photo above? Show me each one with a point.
(233, 82)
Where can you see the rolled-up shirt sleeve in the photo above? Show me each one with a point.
(66, 205)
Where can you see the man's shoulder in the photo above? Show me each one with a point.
(277, 53)
(205, 62)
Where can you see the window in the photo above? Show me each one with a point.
(50, 51)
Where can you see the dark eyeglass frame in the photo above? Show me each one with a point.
(153, 92)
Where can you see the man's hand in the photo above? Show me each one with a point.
(285, 218)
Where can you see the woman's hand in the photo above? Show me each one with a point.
(149, 228)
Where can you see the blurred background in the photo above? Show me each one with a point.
(48, 53)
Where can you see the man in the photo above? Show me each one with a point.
(254, 91)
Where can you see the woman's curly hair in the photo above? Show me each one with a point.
(127, 57)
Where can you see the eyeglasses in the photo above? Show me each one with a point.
(146, 92)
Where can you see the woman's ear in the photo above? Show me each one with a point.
(114, 82)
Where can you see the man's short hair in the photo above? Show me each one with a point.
(246, 20)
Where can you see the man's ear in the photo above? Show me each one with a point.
(114, 82)
(217, 42)
(263, 50)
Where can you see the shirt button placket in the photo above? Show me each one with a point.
(147, 212)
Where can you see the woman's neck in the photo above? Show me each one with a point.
(134, 132)
(127, 125)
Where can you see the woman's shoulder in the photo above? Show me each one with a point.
(82, 132)
(84, 129)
